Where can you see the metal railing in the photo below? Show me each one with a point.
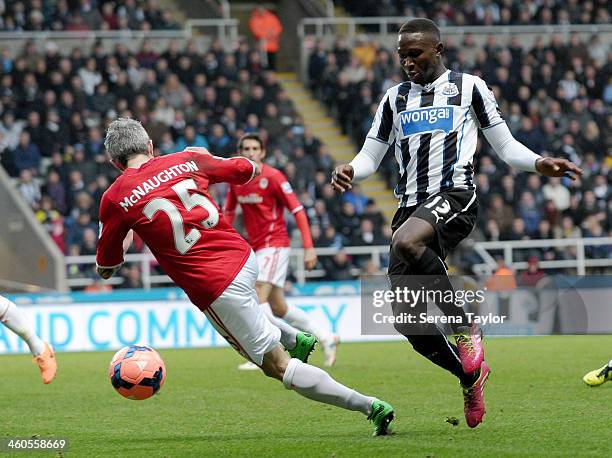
(376, 253)
(225, 29)
(509, 249)
(322, 26)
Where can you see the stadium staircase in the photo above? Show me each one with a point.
(341, 147)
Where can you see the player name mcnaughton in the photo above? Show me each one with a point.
(147, 186)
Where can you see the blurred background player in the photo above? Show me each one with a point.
(43, 354)
(165, 200)
(263, 201)
(599, 376)
(433, 121)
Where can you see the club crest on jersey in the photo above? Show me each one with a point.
(450, 89)
(286, 187)
(263, 183)
(424, 120)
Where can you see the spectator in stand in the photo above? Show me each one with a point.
(131, 277)
(347, 223)
(56, 192)
(29, 188)
(366, 236)
(266, 29)
(356, 198)
(191, 138)
(373, 214)
(533, 274)
(26, 155)
(52, 221)
(558, 193)
(339, 268)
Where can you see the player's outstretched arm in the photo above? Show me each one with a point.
(362, 166)
(519, 156)
(556, 167)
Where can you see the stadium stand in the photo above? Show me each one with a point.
(55, 104)
(65, 15)
(52, 130)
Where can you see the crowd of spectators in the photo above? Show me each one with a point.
(55, 105)
(488, 12)
(53, 123)
(83, 15)
(555, 97)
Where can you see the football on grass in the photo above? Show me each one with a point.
(137, 372)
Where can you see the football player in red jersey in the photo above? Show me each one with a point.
(165, 200)
(263, 201)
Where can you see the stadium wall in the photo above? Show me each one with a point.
(30, 259)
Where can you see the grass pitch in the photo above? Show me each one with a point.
(537, 405)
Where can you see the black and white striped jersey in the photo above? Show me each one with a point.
(435, 128)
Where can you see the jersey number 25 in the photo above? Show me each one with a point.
(182, 241)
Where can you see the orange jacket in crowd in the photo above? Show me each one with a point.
(502, 280)
(266, 26)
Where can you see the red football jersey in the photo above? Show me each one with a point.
(263, 201)
(166, 202)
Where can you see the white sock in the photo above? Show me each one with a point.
(316, 384)
(610, 364)
(298, 318)
(288, 332)
(16, 321)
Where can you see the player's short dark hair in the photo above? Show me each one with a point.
(252, 136)
(421, 25)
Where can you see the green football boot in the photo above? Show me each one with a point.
(304, 346)
(382, 415)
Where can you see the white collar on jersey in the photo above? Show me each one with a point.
(429, 86)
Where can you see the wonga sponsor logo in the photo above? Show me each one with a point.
(424, 120)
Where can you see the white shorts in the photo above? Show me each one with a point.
(238, 317)
(273, 263)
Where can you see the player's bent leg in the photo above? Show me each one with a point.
(299, 319)
(288, 333)
(263, 291)
(300, 345)
(238, 317)
(410, 240)
(316, 384)
(409, 246)
(288, 336)
(275, 363)
(43, 354)
(278, 304)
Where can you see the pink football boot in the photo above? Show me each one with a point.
(469, 344)
(473, 398)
